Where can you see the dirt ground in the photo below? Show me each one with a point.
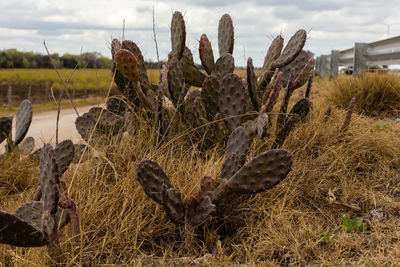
(43, 127)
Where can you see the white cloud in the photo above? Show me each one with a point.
(69, 25)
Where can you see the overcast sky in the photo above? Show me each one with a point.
(69, 25)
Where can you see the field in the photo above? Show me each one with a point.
(325, 213)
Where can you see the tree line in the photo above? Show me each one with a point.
(12, 58)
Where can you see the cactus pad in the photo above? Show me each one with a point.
(209, 93)
(127, 64)
(225, 35)
(283, 133)
(304, 74)
(274, 51)
(141, 66)
(16, 232)
(252, 84)
(176, 82)
(49, 179)
(23, 121)
(173, 205)
(27, 145)
(263, 172)
(115, 46)
(152, 178)
(5, 128)
(178, 34)
(292, 49)
(230, 166)
(224, 66)
(64, 152)
(116, 105)
(206, 54)
(262, 125)
(232, 100)
(301, 108)
(293, 70)
(191, 73)
(238, 143)
(201, 212)
(273, 96)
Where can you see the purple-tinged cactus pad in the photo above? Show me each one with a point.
(64, 152)
(199, 114)
(178, 34)
(224, 66)
(274, 51)
(347, 120)
(176, 82)
(152, 177)
(49, 179)
(252, 84)
(293, 70)
(292, 49)
(141, 66)
(209, 93)
(207, 185)
(238, 143)
(31, 212)
(188, 110)
(262, 173)
(225, 35)
(27, 145)
(230, 166)
(127, 64)
(273, 96)
(116, 105)
(301, 108)
(304, 74)
(201, 212)
(5, 128)
(262, 125)
(191, 73)
(206, 54)
(23, 120)
(232, 100)
(173, 205)
(283, 133)
(16, 232)
(115, 46)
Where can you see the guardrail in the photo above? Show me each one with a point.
(360, 57)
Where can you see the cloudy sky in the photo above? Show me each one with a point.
(69, 25)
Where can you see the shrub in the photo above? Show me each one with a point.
(377, 94)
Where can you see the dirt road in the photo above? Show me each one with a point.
(43, 127)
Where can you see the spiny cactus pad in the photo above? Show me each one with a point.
(225, 35)
(274, 51)
(301, 108)
(292, 49)
(115, 46)
(176, 82)
(206, 54)
(127, 64)
(232, 100)
(178, 34)
(238, 143)
(141, 66)
(273, 96)
(23, 121)
(252, 84)
(64, 153)
(152, 178)
(289, 125)
(49, 179)
(201, 212)
(304, 74)
(5, 127)
(230, 166)
(16, 232)
(27, 145)
(116, 105)
(294, 69)
(262, 173)
(191, 73)
(209, 93)
(173, 205)
(224, 66)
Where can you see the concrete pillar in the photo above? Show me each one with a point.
(324, 65)
(317, 65)
(334, 68)
(360, 58)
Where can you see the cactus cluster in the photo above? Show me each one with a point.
(258, 175)
(36, 223)
(223, 94)
(23, 121)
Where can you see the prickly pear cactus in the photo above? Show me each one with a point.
(206, 54)
(23, 120)
(178, 34)
(225, 35)
(262, 173)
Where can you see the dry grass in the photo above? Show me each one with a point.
(377, 93)
(333, 176)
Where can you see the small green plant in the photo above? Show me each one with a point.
(325, 237)
(383, 127)
(354, 225)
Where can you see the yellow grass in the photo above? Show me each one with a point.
(334, 175)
